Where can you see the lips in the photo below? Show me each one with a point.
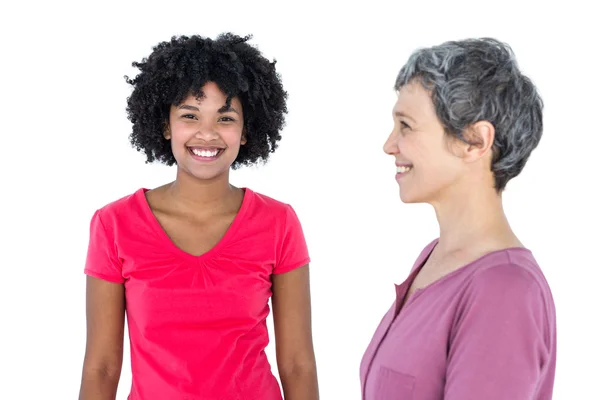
(205, 153)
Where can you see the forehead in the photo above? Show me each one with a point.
(414, 100)
(211, 94)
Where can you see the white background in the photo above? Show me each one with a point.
(65, 152)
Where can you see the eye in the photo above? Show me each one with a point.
(227, 119)
(404, 125)
(188, 116)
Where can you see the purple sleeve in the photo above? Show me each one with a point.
(499, 341)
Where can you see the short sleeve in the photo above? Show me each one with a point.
(292, 249)
(102, 261)
(499, 346)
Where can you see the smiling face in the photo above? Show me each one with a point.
(426, 166)
(205, 133)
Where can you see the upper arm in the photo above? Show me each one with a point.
(292, 251)
(105, 316)
(291, 296)
(498, 345)
(292, 319)
(105, 300)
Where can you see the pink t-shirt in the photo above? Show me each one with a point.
(197, 324)
(486, 331)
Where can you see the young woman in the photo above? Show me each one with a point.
(475, 318)
(193, 263)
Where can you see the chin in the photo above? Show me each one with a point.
(406, 198)
(206, 174)
(411, 198)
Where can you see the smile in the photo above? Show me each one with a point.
(403, 169)
(205, 154)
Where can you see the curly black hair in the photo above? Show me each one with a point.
(179, 68)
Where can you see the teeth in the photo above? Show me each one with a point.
(205, 153)
(402, 169)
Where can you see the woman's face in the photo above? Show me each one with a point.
(426, 165)
(205, 134)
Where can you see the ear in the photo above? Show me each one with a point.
(244, 139)
(167, 131)
(481, 139)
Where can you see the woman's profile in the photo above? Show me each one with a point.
(475, 318)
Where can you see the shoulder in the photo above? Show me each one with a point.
(121, 208)
(509, 277)
(509, 287)
(268, 205)
(508, 268)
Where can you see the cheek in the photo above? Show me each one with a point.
(435, 161)
(181, 131)
(232, 136)
(445, 169)
(416, 151)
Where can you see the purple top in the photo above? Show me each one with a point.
(485, 331)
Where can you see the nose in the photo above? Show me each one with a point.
(207, 131)
(390, 146)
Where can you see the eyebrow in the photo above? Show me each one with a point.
(403, 114)
(188, 107)
(228, 108)
(221, 110)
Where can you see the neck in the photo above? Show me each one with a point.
(473, 218)
(201, 194)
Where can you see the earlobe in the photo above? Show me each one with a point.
(167, 132)
(243, 141)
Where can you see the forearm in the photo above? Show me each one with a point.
(98, 386)
(300, 384)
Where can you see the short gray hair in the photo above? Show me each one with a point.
(478, 79)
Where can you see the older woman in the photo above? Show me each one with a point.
(475, 318)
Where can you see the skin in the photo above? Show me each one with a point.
(452, 176)
(195, 211)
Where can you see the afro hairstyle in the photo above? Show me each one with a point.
(181, 67)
